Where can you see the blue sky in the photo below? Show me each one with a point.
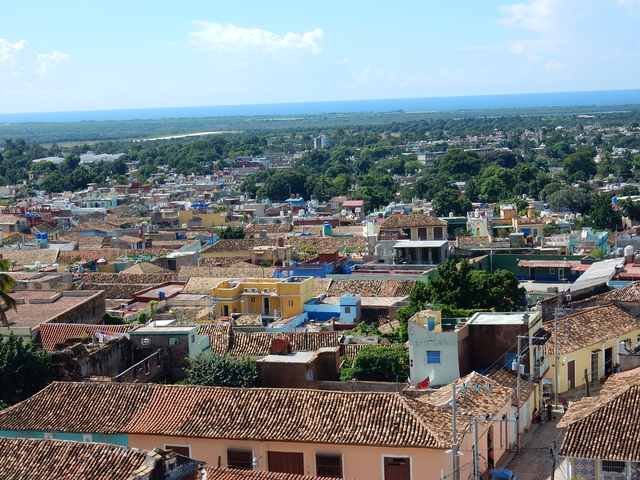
(81, 55)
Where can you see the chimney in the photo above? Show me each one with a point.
(280, 346)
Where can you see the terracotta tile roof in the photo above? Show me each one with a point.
(254, 228)
(294, 415)
(202, 285)
(230, 474)
(258, 344)
(628, 294)
(29, 257)
(606, 426)
(227, 244)
(28, 459)
(507, 378)
(237, 269)
(143, 268)
(399, 220)
(477, 395)
(589, 326)
(52, 334)
(219, 337)
(371, 288)
(329, 244)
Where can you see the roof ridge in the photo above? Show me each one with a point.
(421, 420)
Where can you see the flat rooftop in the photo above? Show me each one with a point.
(298, 357)
(40, 306)
(501, 318)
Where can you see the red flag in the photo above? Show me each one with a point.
(424, 384)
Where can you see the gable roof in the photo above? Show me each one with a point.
(52, 334)
(144, 268)
(629, 294)
(261, 414)
(28, 459)
(606, 426)
(399, 220)
(589, 326)
(258, 344)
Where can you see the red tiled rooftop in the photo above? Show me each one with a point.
(28, 459)
(52, 334)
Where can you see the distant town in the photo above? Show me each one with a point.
(441, 297)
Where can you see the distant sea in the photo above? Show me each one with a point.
(432, 104)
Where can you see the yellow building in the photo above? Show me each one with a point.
(589, 345)
(276, 297)
(204, 219)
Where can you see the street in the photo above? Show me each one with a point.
(534, 461)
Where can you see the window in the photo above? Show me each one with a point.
(145, 341)
(397, 468)
(193, 339)
(241, 459)
(433, 356)
(184, 450)
(173, 341)
(286, 462)
(329, 465)
(613, 467)
(347, 309)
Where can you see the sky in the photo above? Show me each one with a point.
(85, 55)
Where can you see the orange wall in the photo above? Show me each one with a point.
(358, 462)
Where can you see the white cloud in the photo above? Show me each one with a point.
(45, 61)
(8, 49)
(227, 37)
(534, 15)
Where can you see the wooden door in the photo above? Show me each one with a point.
(571, 374)
(397, 468)
(286, 462)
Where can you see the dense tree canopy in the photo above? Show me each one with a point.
(215, 370)
(24, 370)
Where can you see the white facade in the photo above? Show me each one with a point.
(433, 351)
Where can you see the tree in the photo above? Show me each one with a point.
(602, 215)
(631, 209)
(24, 370)
(216, 370)
(450, 200)
(379, 363)
(456, 288)
(580, 165)
(6, 285)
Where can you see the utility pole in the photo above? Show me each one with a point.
(518, 338)
(556, 370)
(476, 455)
(553, 460)
(454, 434)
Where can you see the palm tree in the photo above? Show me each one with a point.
(6, 285)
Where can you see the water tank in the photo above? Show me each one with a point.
(327, 230)
(161, 295)
(628, 252)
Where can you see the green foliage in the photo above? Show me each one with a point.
(450, 200)
(580, 165)
(215, 370)
(379, 364)
(602, 216)
(631, 209)
(459, 290)
(230, 232)
(550, 229)
(24, 370)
